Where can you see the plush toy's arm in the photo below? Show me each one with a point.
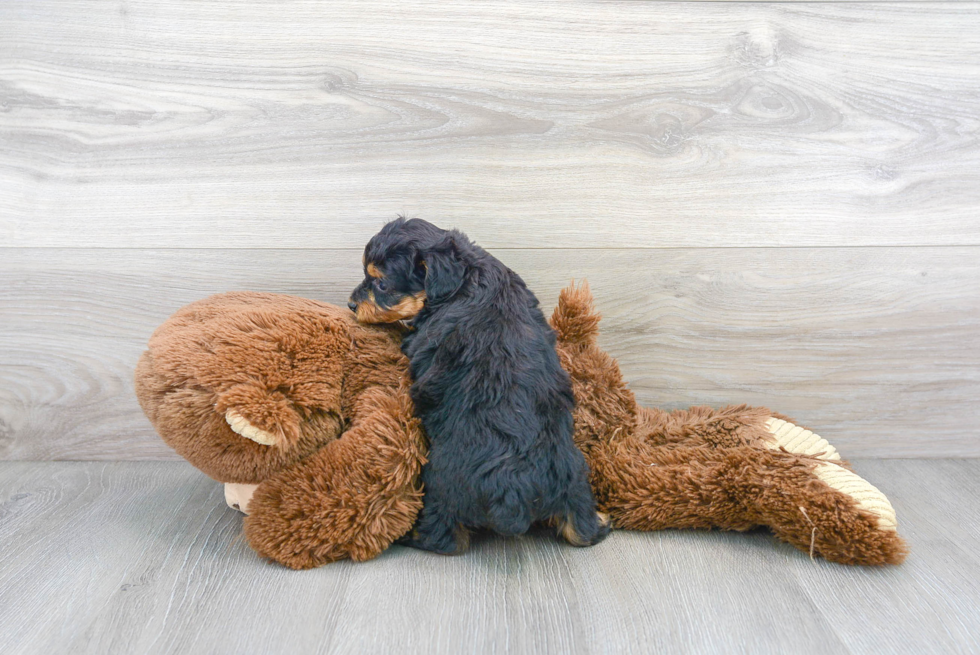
(353, 498)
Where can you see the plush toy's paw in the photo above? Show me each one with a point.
(865, 495)
(800, 441)
(238, 423)
(238, 496)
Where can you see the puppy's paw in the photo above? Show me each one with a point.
(238, 423)
(794, 439)
(458, 545)
(588, 535)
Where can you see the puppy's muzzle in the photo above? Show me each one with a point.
(352, 305)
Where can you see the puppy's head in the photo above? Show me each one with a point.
(408, 264)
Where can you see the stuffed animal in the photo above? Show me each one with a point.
(305, 414)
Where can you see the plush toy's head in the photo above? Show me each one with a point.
(406, 264)
(244, 385)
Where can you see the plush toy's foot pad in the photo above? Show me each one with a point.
(238, 496)
(867, 496)
(238, 423)
(799, 440)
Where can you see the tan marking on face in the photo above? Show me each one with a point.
(373, 271)
(369, 312)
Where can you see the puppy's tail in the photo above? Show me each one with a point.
(575, 318)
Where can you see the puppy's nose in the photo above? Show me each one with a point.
(352, 305)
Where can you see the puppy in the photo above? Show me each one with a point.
(487, 385)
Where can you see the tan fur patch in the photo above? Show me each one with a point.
(462, 540)
(373, 271)
(567, 529)
(369, 312)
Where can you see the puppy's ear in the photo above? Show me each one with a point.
(443, 270)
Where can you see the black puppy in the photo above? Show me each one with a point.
(487, 385)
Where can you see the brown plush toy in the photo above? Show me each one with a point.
(306, 415)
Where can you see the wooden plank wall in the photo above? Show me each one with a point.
(775, 203)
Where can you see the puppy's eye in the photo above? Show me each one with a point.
(381, 285)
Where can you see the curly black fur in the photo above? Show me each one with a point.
(488, 387)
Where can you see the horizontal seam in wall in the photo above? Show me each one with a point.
(505, 248)
(820, 2)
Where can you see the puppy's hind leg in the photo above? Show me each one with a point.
(581, 525)
(437, 531)
(508, 513)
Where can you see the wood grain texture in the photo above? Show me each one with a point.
(144, 557)
(550, 123)
(877, 349)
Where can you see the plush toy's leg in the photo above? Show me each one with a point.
(817, 506)
(655, 488)
(866, 496)
(846, 519)
(353, 498)
(731, 427)
(795, 439)
(238, 496)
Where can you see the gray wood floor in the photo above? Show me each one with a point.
(143, 557)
